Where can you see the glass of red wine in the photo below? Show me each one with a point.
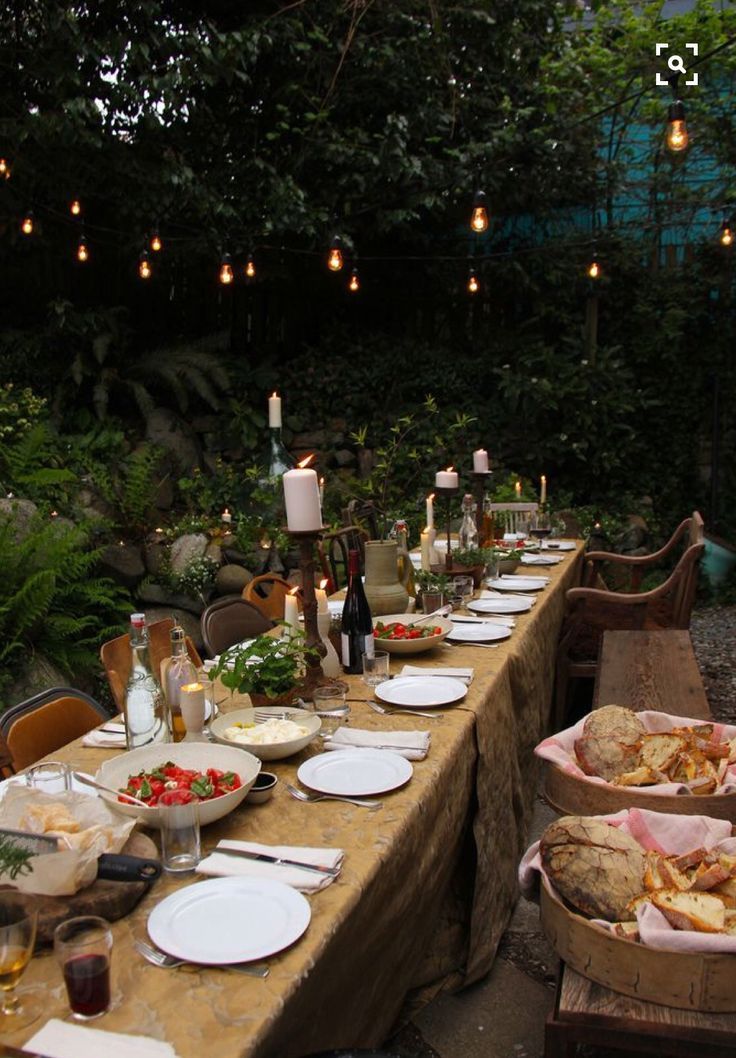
(540, 527)
(83, 946)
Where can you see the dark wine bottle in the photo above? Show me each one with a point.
(357, 623)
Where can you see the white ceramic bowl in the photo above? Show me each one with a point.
(200, 755)
(412, 646)
(269, 750)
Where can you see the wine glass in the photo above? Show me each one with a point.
(463, 588)
(17, 937)
(540, 527)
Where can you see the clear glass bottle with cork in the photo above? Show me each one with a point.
(144, 707)
(468, 535)
(177, 670)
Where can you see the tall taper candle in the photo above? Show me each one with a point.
(274, 410)
(480, 461)
(430, 511)
(543, 490)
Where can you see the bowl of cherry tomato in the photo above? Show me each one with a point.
(218, 777)
(407, 633)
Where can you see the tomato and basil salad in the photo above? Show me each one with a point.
(169, 784)
(397, 630)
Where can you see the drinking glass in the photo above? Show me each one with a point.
(82, 946)
(210, 706)
(331, 707)
(52, 776)
(432, 600)
(17, 937)
(463, 588)
(180, 836)
(540, 527)
(375, 669)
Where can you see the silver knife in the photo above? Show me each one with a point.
(263, 857)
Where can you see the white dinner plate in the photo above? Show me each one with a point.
(226, 920)
(419, 692)
(558, 545)
(541, 560)
(501, 605)
(484, 632)
(514, 583)
(355, 772)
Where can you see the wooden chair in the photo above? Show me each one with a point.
(333, 548)
(513, 514)
(267, 593)
(627, 571)
(33, 729)
(365, 515)
(591, 611)
(229, 620)
(116, 658)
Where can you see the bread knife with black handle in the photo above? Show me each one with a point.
(111, 866)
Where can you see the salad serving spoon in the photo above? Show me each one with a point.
(86, 780)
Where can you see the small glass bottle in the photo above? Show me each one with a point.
(488, 531)
(279, 460)
(176, 671)
(468, 535)
(144, 707)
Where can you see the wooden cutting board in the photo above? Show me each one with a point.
(110, 900)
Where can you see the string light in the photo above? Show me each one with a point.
(335, 258)
(250, 267)
(726, 233)
(473, 284)
(594, 269)
(144, 266)
(677, 136)
(75, 207)
(354, 284)
(226, 270)
(479, 216)
(82, 249)
(156, 244)
(5, 168)
(27, 224)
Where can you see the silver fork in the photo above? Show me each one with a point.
(388, 711)
(302, 795)
(170, 962)
(262, 717)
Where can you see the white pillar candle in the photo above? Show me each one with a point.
(191, 703)
(430, 511)
(321, 594)
(301, 496)
(517, 489)
(426, 538)
(480, 461)
(291, 609)
(227, 517)
(446, 479)
(274, 410)
(543, 490)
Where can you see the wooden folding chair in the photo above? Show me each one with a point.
(333, 548)
(512, 514)
(627, 571)
(116, 657)
(35, 730)
(229, 620)
(268, 592)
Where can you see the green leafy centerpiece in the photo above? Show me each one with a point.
(268, 669)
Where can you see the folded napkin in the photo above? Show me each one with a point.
(541, 560)
(307, 881)
(496, 595)
(113, 736)
(464, 674)
(414, 745)
(63, 1039)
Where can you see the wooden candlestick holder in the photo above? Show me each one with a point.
(480, 478)
(448, 494)
(306, 541)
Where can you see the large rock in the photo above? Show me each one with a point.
(344, 457)
(158, 595)
(177, 438)
(123, 563)
(21, 513)
(185, 549)
(188, 621)
(633, 537)
(214, 552)
(231, 579)
(155, 552)
(36, 674)
(164, 498)
(95, 506)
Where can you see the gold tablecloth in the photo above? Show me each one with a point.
(426, 889)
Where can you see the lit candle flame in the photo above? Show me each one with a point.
(323, 583)
(449, 469)
(294, 590)
(306, 461)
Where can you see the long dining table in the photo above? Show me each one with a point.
(427, 885)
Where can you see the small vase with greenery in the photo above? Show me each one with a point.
(268, 669)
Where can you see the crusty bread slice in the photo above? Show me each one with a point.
(652, 877)
(659, 752)
(704, 912)
(708, 876)
(672, 876)
(638, 901)
(727, 892)
(692, 859)
(641, 776)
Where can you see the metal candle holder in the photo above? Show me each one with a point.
(448, 494)
(306, 540)
(480, 477)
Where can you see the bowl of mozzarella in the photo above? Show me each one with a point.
(282, 733)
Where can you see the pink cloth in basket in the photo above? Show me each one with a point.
(560, 750)
(658, 832)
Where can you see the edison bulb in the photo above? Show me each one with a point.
(156, 243)
(726, 236)
(473, 284)
(479, 216)
(4, 168)
(677, 136)
(26, 225)
(334, 261)
(75, 207)
(144, 266)
(82, 250)
(226, 270)
(250, 267)
(594, 270)
(354, 284)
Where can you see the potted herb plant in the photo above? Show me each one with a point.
(471, 561)
(269, 669)
(430, 583)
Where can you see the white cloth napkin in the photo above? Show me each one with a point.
(464, 674)
(63, 1039)
(495, 595)
(414, 745)
(222, 866)
(113, 737)
(541, 560)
